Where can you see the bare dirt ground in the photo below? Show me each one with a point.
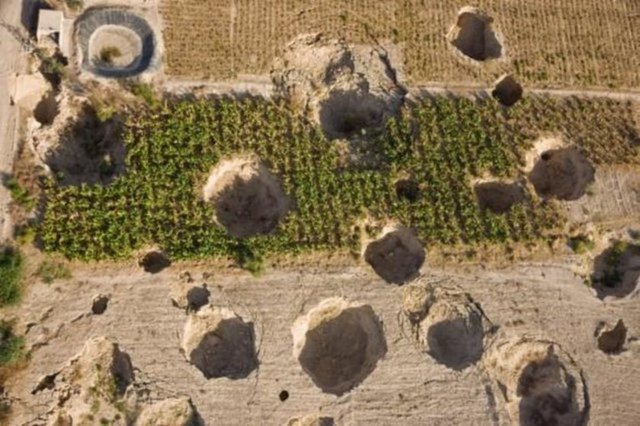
(614, 197)
(407, 386)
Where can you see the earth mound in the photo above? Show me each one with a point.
(396, 256)
(563, 173)
(616, 271)
(187, 295)
(338, 344)
(97, 377)
(247, 198)
(170, 412)
(114, 42)
(539, 383)
(498, 197)
(450, 326)
(611, 339)
(473, 35)
(220, 344)
(346, 89)
(507, 90)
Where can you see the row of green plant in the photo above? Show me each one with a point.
(441, 144)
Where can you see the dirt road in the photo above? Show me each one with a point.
(12, 55)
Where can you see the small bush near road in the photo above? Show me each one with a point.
(51, 270)
(10, 275)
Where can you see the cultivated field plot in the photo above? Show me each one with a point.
(546, 43)
(418, 171)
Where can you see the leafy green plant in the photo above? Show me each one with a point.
(581, 244)
(52, 65)
(26, 234)
(249, 260)
(74, 4)
(10, 276)
(147, 93)
(103, 110)
(11, 346)
(109, 53)
(20, 195)
(50, 270)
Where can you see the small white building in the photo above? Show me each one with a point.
(52, 23)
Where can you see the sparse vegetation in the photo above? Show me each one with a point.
(26, 234)
(11, 346)
(147, 93)
(581, 244)
(10, 275)
(52, 65)
(103, 109)
(53, 68)
(50, 270)
(20, 195)
(108, 54)
(74, 4)
(611, 274)
(442, 143)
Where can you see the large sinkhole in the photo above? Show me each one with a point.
(338, 344)
(474, 36)
(450, 325)
(507, 91)
(248, 200)
(498, 197)
(564, 174)
(616, 271)
(397, 256)
(537, 382)
(89, 150)
(455, 340)
(346, 113)
(547, 394)
(220, 344)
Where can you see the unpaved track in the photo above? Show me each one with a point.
(262, 86)
(407, 387)
(11, 58)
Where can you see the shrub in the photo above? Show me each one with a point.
(74, 4)
(10, 276)
(580, 244)
(109, 53)
(20, 195)
(11, 346)
(146, 92)
(50, 270)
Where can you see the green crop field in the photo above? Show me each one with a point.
(441, 144)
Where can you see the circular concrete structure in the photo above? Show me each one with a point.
(114, 43)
